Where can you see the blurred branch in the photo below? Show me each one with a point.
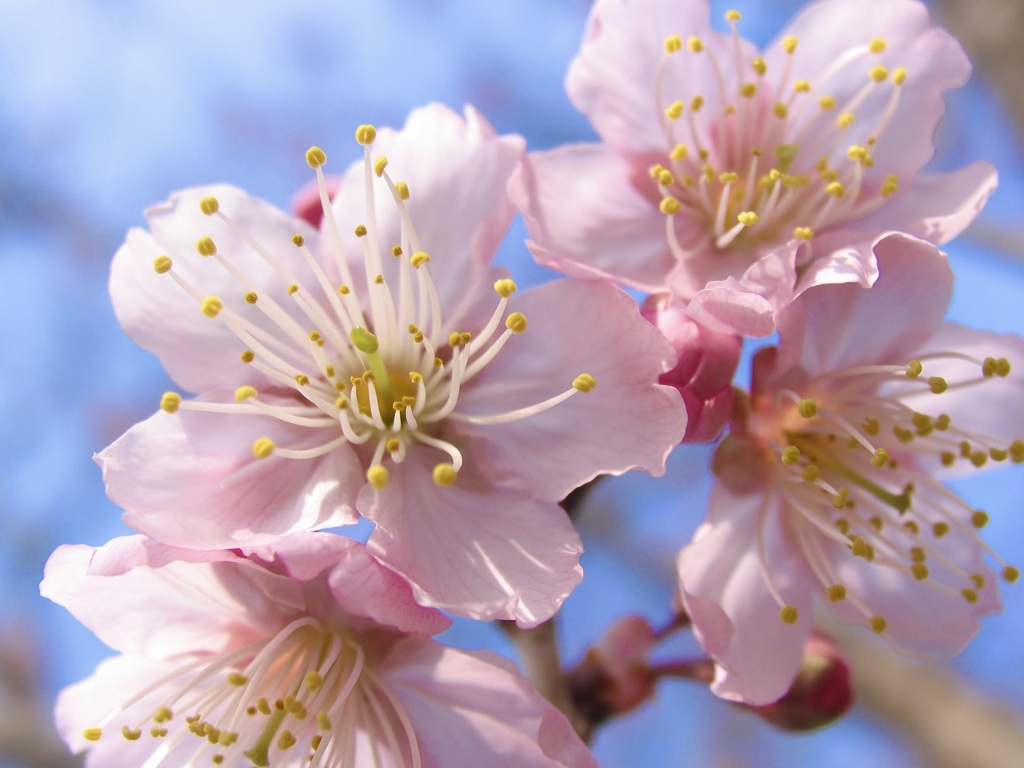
(990, 33)
(950, 724)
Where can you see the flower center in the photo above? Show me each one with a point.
(381, 370)
(765, 157)
(837, 458)
(307, 689)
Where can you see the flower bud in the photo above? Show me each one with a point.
(820, 694)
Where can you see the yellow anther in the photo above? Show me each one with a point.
(978, 579)
(876, 522)
(366, 134)
(301, 379)
(315, 157)
(970, 595)
(899, 75)
(789, 615)
(695, 44)
(747, 218)
(695, 104)
(807, 408)
(858, 154)
(237, 678)
(211, 306)
(780, 110)
(937, 384)
(679, 152)
(244, 393)
(393, 444)
(917, 554)
(584, 382)
(516, 322)
(445, 475)
(419, 258)
(979, 458)
(914, 369)
(759, 65)
(841, 498)
(880, 458)
(827, 102)
(789, 44)
(845, 120)
(129, 734)
(890, 185)
(377, 476)
(729, 177)
(811, 473)
(747, 90)
(209, 205)
(878, 624)
(878, 73)
(669, 206)
(979, 519)
(162, 715)
(843, 526)
(344, 290)
(877, 45)
(673, 44)
(206, 246)
(836, 593)
(674, 110)
(835, 189)
(293, 289)
(251, 297)
(247, 356)
(313, 680)
(262, 447)
(360, 230)
(803, 233)
(919, 571)
(656, 170)
(341, 402)
(858, 546)
(1011, 574)
(790, 455)
(1017, 451)
(402, 189)
(286, 740)
(503, 288)
(170, 401)
(92, 734)
(396, 250)
(379, 165)
(998, 454)
(802, 86)
(732, 15)
(298, 241)
(162, 264)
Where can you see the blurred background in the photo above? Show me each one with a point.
(107, 107)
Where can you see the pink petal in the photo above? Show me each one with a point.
(734, 615)
(458, 171)
(898, 314)
(612, 79)
(200, 353)
(934, 61)
(470, 550)
(937, 207)
(476, 708)
(588, 216)
(197, 605)
(191, 479)
(626, 421)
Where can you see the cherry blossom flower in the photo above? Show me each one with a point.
(373, 367)
(735, 178)
(829, 482)
(306, 653)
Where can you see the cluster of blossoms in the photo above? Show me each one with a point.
(363, 358)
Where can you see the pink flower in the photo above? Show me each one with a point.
(737, 179)
(305, 653)
(829, 483)
(374, 367)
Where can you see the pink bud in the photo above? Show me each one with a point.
(820, 694)
(705, 364)
(613, 677)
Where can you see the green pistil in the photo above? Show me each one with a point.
(898, 501)
(366, 343)
(260, 752)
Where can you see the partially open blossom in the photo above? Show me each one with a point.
(736, 178)
(706, 362)
(614, 676)
(829, 482)
(382, 366)
(306, 653)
